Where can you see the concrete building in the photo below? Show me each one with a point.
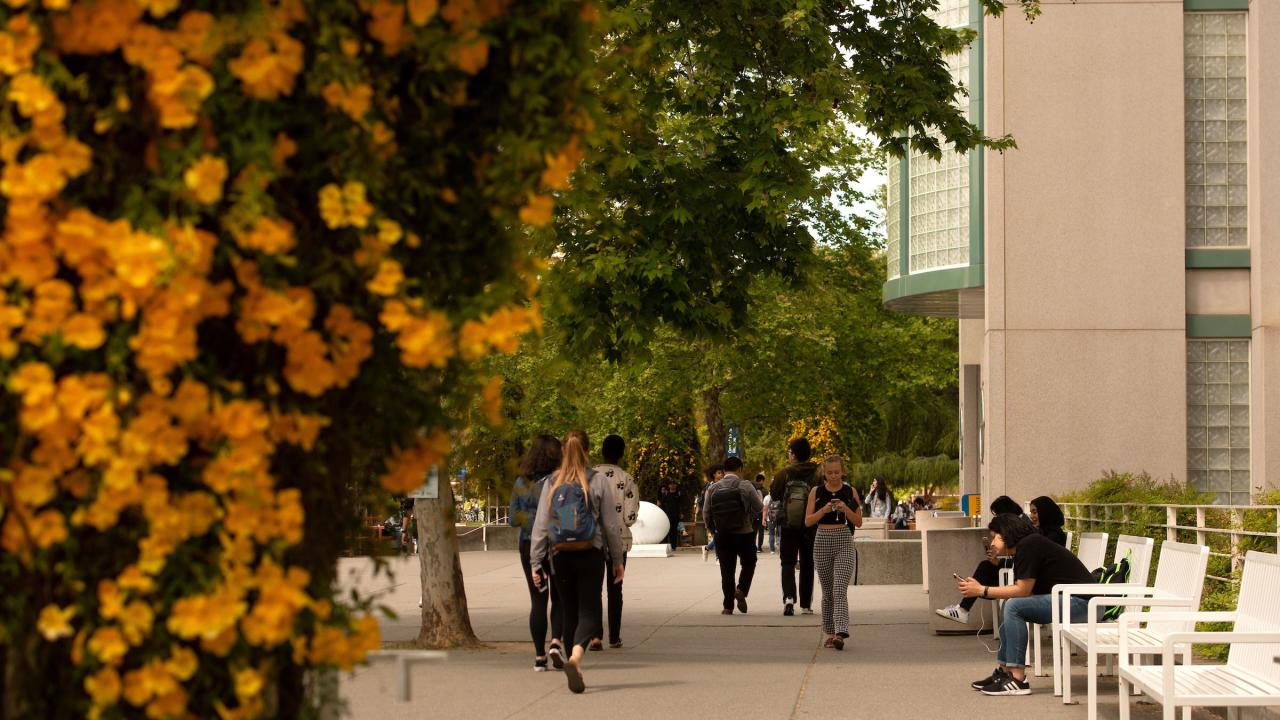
(1117, 276)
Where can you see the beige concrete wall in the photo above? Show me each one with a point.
(1085, 266)
(1264, 225)
(1218, 292)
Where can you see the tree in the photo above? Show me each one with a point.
(253, 254)
(732, 132)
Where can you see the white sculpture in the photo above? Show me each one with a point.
(649, 533)
(651, 526)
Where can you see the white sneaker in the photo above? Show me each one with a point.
(806, 611)
(954, 612)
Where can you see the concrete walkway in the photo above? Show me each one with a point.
(682, 658)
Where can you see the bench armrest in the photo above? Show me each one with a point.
(1200, 638)
(1100, 602)
(1133, 619)
(1061, 595)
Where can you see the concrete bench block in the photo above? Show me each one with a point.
(888, 562)
(955, 551)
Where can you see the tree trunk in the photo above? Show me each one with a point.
(445, 621)
(715, 424)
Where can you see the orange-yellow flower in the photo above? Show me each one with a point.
(354, 102)
(55, 622)
(267, 72)
(388, 278)
(537, 211)
(345, 206)
(84, 331)
(268, 235)
(386, 25)
(492, 400)
(248, 683)
(421, 11)
(205, 178)
(107, 644)
(47, 528)
(103, 686)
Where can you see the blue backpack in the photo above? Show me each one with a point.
(572, 525)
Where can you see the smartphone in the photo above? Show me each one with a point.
(957, 577)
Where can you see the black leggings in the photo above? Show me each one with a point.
(614, 592)
(539, 600)
(986, 574)
(578, 574)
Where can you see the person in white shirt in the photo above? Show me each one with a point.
(626, 501)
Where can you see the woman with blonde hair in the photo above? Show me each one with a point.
(574, 525)
(834, 508)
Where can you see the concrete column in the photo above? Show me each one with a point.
(1264, 224)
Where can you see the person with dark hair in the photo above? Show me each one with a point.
(1048, 519)
(758, 484)
(790, 489)
(538, 464)
(1005, 505)
(1039, 564)
(576, 528)
(730, 506)
(714, 472)
(670, 499)
(879, 498)
(988, 571)
(626, 503)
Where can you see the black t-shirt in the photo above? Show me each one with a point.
(823, 496)
(1048, 563)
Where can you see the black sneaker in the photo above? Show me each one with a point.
(1008, 685)
(742, 600)
(997, 675)
(556, 655)
(788, 609)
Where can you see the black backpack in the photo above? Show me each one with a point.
(1113, 574)
(728, 509)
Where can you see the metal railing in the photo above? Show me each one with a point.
(1212, 522)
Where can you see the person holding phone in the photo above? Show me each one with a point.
(834, 509)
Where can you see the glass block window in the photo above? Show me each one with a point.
(1218, 418)
(1216, 140)
(940, 197)
(893, 231)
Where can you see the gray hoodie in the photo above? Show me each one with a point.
(599, 498)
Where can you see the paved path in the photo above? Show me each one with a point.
(682, 658)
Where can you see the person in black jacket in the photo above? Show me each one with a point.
(669, 499)
(1048, 519)
(797, 542)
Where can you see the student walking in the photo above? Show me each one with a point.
(770, 519)
(714, 472)
(1039, 564)
(791, 488)
(669, 499)
(576, 525)
(626, 503)
(988, 571)
(834, 509)
(879, 499)
(758, 484)
(538, 464)
(731, 506)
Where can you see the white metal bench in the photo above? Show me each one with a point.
(1178, 586)
(1249, 679)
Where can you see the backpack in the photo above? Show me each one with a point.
(794, 501)
(775, 512)
(572, 525)
(728, 509)
(1113, 574)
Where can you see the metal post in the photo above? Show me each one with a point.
(1237, 524)
(1171, 522)
(403, 658)
(1200, 536)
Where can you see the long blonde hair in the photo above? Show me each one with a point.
(573, 462)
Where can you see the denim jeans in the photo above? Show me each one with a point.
(1022, 610)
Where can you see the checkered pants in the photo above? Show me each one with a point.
(834, 559)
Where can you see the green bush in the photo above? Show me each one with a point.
(1142, 519)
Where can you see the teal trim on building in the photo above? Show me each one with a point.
(1215, 4)
(1217, 258)
(934, 281)
(1219, 326)
(977, 155)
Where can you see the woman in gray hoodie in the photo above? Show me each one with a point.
(574, 526)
